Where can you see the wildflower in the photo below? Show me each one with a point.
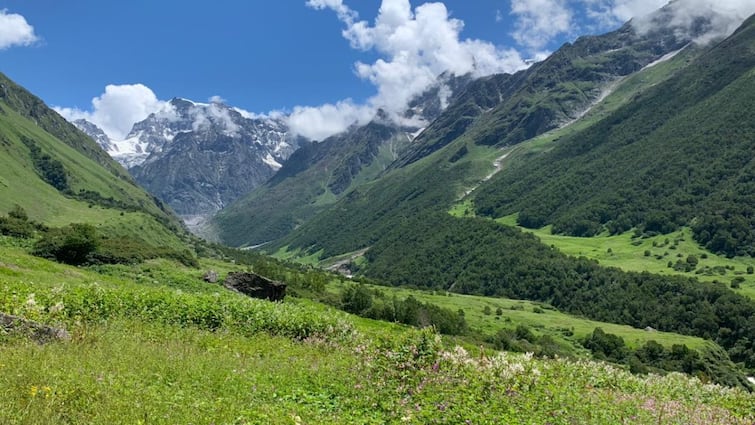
(33, 391)
(47, 390)
(57, 308)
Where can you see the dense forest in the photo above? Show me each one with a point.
(680, 154)
(477, 256)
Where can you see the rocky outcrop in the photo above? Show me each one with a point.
(255, 286)
(210, 277)
(36, 331)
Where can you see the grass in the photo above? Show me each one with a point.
(142, 373)
(20, 185)
(131, 361)
(628, 253)
(543, 319)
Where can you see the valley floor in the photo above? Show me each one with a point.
(153, 344)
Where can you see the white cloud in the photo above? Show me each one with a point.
(216, 113)
(216, 99)
(116, 110)
(539, 21)
(317, 123)
(726, 15)
(15, 31)
(416, 46)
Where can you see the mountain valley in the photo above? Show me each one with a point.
(573, 242)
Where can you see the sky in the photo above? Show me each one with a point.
(324, 64)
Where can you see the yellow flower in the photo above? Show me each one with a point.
(33, 391)
(48, 391)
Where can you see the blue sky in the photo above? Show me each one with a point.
(329, 62)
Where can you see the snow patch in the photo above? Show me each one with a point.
(663, 58)
(269, 160)
(416, 134)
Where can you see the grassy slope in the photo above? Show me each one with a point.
(629, 254)
(153, 368)
(415, 186)
(20, 184)
(624, 254)
(519, 312)
(304, 186)
(698, 133)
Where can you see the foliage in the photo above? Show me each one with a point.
(706, 364)
(360, 300)
(522, 340)
(73, 244)
(16, 224)
(220, 310)
(467, 256)
(50, 170)
(80, 244)
(185, 375)
(678, 155)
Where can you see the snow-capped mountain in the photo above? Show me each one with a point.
(95, 133)
(198, 157)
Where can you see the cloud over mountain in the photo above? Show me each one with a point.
(116, 110)
(415, 45)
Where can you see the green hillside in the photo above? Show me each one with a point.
(59, 182)
(315, 177)
(184, 351)
(678, 155)
(401, 221)
(34, 109)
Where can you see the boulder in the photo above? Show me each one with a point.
(39, 332)
(210, 277)
(255, 286)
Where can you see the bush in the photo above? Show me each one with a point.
(737, 282)
(17, 224)
(356, 299)
(73, 244)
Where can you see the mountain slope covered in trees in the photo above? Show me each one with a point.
(680, 154)
(313, 178)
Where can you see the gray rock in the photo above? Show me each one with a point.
(39, 332)
(210, 277)
(255, 286)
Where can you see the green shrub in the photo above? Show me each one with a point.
(73, 244)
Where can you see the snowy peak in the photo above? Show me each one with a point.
(96, 133)
(150, 137)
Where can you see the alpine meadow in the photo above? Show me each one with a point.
(486, 239)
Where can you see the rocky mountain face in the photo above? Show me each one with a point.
(199, 157)
(96, 133)
(206, 155)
